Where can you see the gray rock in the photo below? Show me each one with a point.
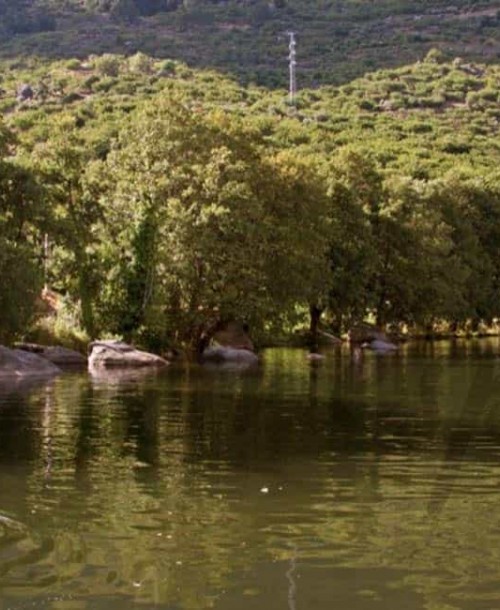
(63, 356)
(315, 357)
(121, 376)
(118, 354)
(24, 93)
(229, 354)
(56, 354)
(379, 345)
(19, 363)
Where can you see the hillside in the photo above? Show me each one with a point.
(380, 197)
(337, 40)
(423, 117)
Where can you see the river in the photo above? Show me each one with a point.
(361, 485)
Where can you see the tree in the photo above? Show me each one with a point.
(418, 278)
(208, 229)
(63, 163)
(22, 217)
(470, 203)
(354, 192)
(391, 248)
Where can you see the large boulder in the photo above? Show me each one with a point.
(19, 363)
(221, 354)
(118, 354)
(56, 354)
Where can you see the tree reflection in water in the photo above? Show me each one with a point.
(382, 479)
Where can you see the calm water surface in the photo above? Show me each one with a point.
(369, 485)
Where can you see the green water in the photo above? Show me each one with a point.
(349, 485)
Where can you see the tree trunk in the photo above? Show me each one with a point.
(315, 316)
(381, 317)
(337, 324)
(203, 336)
(85, 292)
(474, 324)
(86, 305)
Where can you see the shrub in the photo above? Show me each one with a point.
(168, 68)
(89, 82)
(105, 84)
(107, 64)
(140, 63)
(73, 64)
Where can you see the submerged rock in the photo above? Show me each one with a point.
(315, 357)
(10, 529)
(119, 354)
(379, 345)
(18, 545)
(122, 375)
(223, 354)
(56, 354)
(19, 363)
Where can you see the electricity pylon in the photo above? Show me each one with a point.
(292, 66)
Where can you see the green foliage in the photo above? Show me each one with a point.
(179, 199)
(22, 216)
(62, 163)
(140, 63)
(107, 64)
(21, 273)
(213, 230)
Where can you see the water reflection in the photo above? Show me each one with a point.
(362, 485)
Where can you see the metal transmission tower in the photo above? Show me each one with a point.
(293, 65)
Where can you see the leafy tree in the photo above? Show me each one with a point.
(207, 229)
(354, 191)
(22, 216)
(62, 162)
(418, 277)
(391, 249)
(471, 206)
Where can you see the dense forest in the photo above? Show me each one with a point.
(156, 201)
(338, 40)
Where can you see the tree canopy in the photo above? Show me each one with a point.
(176, 200)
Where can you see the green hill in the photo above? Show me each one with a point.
(421, 118)
(380, 197)
(338, 40)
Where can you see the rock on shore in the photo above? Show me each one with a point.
(19, 363)
(116, 354)
(61, 356)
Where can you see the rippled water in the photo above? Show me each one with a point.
(373, 484)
